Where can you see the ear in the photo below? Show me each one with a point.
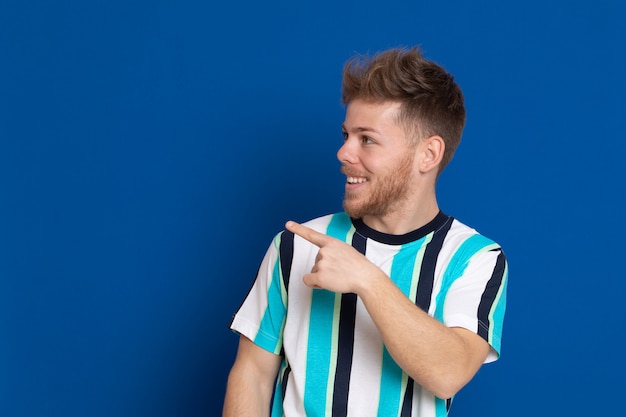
(432, 149)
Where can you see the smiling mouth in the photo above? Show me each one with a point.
(351, 178)
(356, 180)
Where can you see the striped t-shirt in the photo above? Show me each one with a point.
(334, 360)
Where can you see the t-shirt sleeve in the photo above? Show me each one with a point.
(262, 315)
(475, 292)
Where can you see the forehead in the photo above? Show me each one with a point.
(378, 116)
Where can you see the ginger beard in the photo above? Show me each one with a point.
(385, 192)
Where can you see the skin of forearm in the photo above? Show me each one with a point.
(245, 396)
(434, 355)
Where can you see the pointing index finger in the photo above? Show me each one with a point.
(316, 238)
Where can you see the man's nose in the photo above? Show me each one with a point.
(347, 152)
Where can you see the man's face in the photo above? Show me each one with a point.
(376, 159)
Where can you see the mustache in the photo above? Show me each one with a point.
(351, 173)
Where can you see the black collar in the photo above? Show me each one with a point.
(366, 231)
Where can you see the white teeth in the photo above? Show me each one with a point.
(356, 180)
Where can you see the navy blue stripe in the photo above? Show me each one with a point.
(347, 317)
(286, 256)
(407, 402)
(426, 279)
(285, 380)
(359, 243)
(490, 294)
(344, 355)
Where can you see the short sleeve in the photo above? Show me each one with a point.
(474, 296)
(261, 317)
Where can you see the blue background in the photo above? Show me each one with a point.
(149, 151)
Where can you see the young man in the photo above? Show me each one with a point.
(389, 308)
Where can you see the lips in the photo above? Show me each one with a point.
(353, 177)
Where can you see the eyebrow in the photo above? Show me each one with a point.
(360, 129)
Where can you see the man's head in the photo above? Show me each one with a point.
(431, 103)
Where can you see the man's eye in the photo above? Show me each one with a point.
(367, 140)
(345, 136)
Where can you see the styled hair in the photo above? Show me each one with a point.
(431, 101)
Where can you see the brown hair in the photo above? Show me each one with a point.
(431, 101)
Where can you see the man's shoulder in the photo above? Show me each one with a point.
(463, 233)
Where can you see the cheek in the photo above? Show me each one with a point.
(372, 164)
(381, 167)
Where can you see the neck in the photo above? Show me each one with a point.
(412, 214)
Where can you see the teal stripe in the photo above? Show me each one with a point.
(456, 267)
(497, 314)
(392, 384)
(277, 405)
(322, 335)
(393, 379)
(318, 352)
(441, 410)
(272, 324)
(340, 226)
(403, 266)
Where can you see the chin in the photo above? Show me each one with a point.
(356, 211)
(352, 211)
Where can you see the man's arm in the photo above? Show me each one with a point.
(251, 381)
(439, 358)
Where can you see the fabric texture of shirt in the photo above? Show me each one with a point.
(335, 363)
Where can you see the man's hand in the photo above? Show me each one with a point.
(338, 266)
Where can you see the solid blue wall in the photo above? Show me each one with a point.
(140, 141)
